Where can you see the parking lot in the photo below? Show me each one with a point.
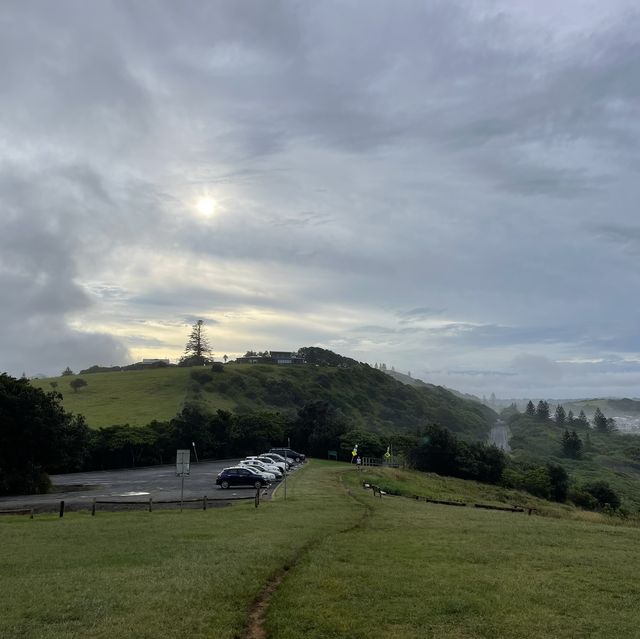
(159, 483)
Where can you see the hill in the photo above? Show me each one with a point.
(368, 399)
(611, 457)
(607, 405)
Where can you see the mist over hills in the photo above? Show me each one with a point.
(625, 411)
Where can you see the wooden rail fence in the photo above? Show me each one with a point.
(510, 509)
(18, 511)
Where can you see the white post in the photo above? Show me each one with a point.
(286, 472)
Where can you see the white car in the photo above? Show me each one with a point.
(268, 459)
(260, 470)
(271, 468)
(279, 458)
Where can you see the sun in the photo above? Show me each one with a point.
(206, 206)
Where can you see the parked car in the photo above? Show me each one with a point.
(290, 463)
(240, 476)
(258, 468)
(267, 459)
(299, 458)
(270, 468)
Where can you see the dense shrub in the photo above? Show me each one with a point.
(441, 452)
(603, 494)
(202, 377)
(583, 499)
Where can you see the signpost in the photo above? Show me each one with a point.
(183, 463)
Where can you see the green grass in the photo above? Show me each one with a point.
(423, 570)
(127, 397)
(368, 567)
(161, 574)
(409, 483)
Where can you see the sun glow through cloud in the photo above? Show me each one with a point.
(206, 206)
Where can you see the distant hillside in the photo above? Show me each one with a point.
(610, 457)
(609, 406)
(418, 383)
(368, 398)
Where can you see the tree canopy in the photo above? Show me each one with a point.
(36, 437)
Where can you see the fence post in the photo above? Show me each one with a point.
(257, 500)
(150, 504)
(62, 508)
(204, 503)
(93, 507)
(31, 514)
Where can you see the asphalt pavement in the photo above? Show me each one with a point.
(499, 436)
(160, 483)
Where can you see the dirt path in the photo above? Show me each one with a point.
(255, 628)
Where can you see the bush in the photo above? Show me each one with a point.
(217, 367)
(77, 384)
(202, 377)
(583, 499)
(603, 494)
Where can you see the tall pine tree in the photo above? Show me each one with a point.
(197, 352)
(542, 410)
(600, 421)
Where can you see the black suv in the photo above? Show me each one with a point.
(289, 454)
(240, 477)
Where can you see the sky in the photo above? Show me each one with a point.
(450, 188)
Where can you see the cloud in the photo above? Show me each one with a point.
(440, 186)
(537, 367)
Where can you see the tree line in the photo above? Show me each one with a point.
(38, 437)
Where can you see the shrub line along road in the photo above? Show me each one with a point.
(134, 484)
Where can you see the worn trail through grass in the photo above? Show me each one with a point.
(256, 628)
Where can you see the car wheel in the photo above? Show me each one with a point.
(224, 484)
(258, 484)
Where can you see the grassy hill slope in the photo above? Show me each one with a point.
(366, 567)
(613, 457)
(133, 397)
(368, 398)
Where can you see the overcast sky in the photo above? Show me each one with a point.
(451, 188)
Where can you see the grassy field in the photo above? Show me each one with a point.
(418, 570)
(161, 574)
(368, 567)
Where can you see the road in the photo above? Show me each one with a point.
(158, 482)
(499, 436)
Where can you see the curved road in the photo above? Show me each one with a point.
(138, 484)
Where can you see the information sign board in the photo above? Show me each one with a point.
(183, 459)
